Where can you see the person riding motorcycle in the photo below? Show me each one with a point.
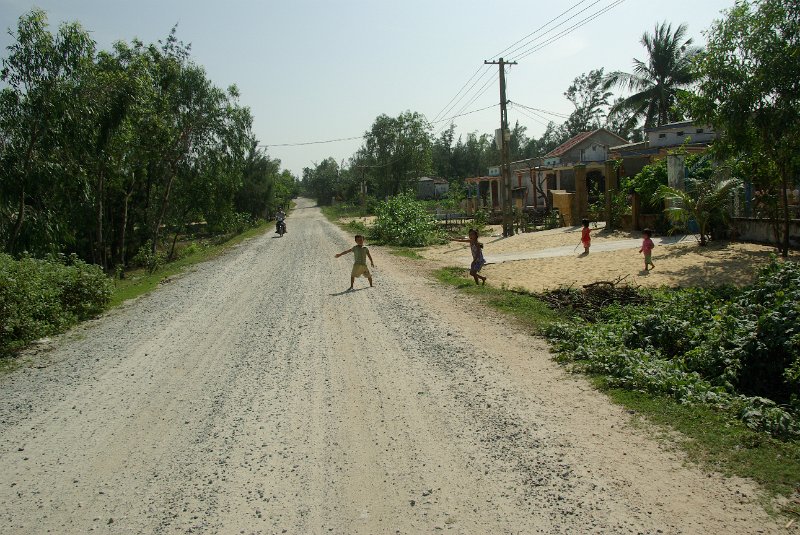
(280, 220)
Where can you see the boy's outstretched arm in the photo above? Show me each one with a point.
(370, 258)
(344, 252)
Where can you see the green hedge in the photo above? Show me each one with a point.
(736, 349)
(44, 297)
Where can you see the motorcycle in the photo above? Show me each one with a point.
(280, 228)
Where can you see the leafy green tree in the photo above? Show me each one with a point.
(322, 181)
(589, 94)
(39, 107)
(748, 89)
(398, 151)
(657, 82)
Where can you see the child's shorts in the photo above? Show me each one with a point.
(359, 270)
(648, 259)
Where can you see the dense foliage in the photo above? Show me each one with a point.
(735, 349)
(101, 152)
(748, 89)
(43, 297)
(402, 220)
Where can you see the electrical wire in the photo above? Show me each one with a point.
(538, 46)
(553, 113)
(458, 97)
(545, 25)
(529, 116)
(309, 142)
(459, 91)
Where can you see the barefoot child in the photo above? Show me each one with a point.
(360, 254)
(586, 238)
(647, 248)
(477, 255)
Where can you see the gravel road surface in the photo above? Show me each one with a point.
(256, 395)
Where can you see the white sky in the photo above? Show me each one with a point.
(317, 70)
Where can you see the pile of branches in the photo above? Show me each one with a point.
(587, 301)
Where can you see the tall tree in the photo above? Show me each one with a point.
(38, 110)
(589, 94)
(749, 89)
(399, 151)
(657, 82)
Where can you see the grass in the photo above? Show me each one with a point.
(406, 252)
(523, 306)
(711, 439)
(721, 443)
(140, 282)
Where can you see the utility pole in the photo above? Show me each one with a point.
(508, 221)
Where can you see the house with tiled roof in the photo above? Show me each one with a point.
(572, 175)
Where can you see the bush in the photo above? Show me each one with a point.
(146, 258)
(402, 220)
(43, 297)
(735, 349)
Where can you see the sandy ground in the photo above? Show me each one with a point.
(255, 395)
(679, 260)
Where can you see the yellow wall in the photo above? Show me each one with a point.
(565, 203)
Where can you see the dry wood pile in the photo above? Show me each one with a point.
(587, 301)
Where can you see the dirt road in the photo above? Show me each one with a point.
(254, 395)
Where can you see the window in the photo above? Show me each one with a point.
(679, 134)
(699, 130)
(662, 136)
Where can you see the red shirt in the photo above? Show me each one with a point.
(585, 238)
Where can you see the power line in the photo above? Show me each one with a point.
(458, 97)
(538, 46)
(309, 142)
(466, 113)
(529, 116)
(362, 136)
(545, 25)
(456, 103)
(459, 91)
(555, 114)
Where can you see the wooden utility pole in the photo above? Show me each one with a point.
(505, 167)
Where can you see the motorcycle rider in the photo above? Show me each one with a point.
(280, 219)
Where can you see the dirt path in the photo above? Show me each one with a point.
(255, 396)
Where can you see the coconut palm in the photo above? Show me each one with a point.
(657, 82)
(704, 202)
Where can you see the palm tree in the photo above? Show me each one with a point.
(704, 202)
(656, 83)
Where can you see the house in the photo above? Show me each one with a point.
(431, 188)
(661, 140)
(576, 169)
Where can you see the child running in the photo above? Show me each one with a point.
(360, 254)
(477, 255)
(586, 238)
(647, 249)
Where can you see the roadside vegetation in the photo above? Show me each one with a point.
(718, 365)
(126, 163)
(42, 297)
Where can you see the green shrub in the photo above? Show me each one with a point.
(146, 258)
(43, 297)
(402, 220)
(738, 350)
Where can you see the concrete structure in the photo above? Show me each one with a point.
(431, 188)
(661, 140)
(578, 165)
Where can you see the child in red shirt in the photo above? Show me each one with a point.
(586, 239)
(647, 248)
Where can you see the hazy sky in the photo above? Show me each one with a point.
(321, 70)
